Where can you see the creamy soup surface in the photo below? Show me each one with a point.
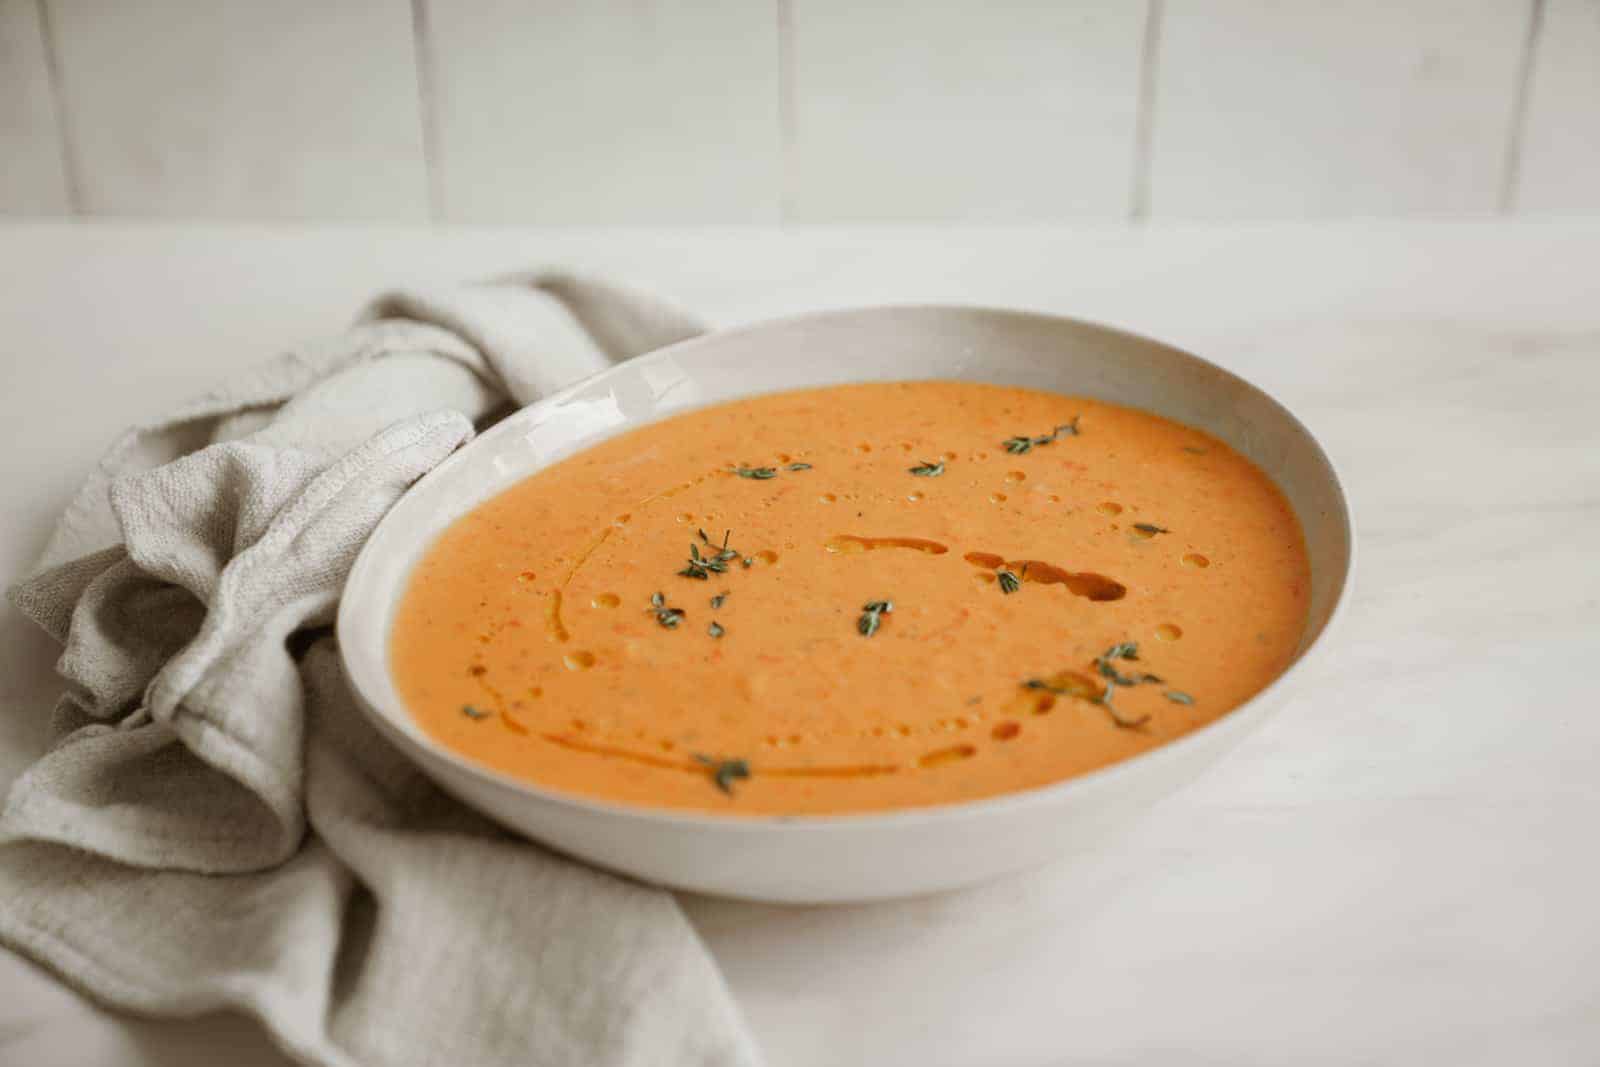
(854, 598)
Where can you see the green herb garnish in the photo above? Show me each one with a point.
(872, 614)
(1108, 671)
(702, 567)
(1104, 700)
(1150, 528)
(1018, 445)
(927, 470)
(758, 473)
(724, 771)
(474, 713)
(1193, 450)
(748, 561)
(715, 629)
(798, 467)
(717, 600)
(1105, 663)
(667, 617)
(1012, 583)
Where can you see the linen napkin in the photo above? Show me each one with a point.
(217, 825)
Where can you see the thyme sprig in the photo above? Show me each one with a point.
(702, 567)
(760, 474)
(1106, 665)
(724, 771)
(927, 470)
(872, 614)
(1150, 528)
(669, 618)
(1020, 444)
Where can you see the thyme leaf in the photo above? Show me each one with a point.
(667, 617)
(1105, 664)
(927, 470)
(872, 614)
(758, 473)
(715, 629)
(1021, 444)
(798, 467)
(717, 600)
(473, 713)
(1178, 697)
(702, 567)
(1150, 528)
(1009, 583)
(724, 771)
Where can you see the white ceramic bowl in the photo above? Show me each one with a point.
(846, 857)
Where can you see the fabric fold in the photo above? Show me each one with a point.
(218, 826)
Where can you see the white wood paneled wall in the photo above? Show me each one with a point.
(230, 108)
(33, 178)
(572, 111)
(761, 111)
(1559, 165)
(1004, 111)
(1366, 107)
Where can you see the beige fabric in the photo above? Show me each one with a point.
(218, 826)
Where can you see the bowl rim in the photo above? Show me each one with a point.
(1268, 697)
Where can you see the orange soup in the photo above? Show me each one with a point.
(852, 599)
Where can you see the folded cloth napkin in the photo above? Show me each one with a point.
(217, 825)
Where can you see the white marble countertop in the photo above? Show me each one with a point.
(1401, 867)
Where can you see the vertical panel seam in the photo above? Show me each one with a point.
(1511, 165)
(71, 169)
(427, 107)
(1144, 128)
(786, 112)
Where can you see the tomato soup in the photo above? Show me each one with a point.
(855, 598)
